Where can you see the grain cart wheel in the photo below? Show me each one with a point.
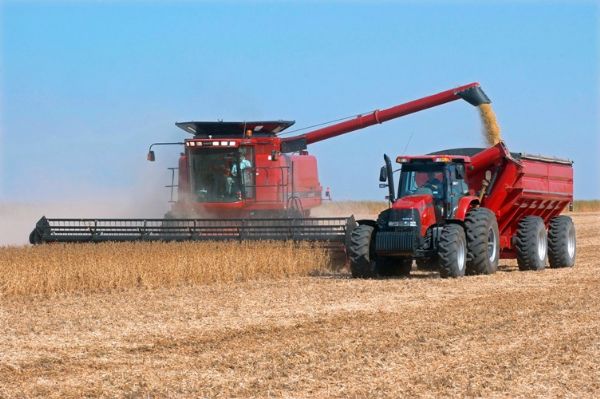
(531, 243)
(393, 267)
(427, 264)
(361, 251)
(561, 242)
(483, 239)
(452, 251)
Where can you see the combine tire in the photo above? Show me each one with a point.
(428, 264)
(531, 243)
(561, 242)
(452, 251)
(483, 239)
(361, 252)
(393, 267)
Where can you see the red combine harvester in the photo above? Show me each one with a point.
(461, 210)
(242, 180)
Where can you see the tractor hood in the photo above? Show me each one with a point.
(417, 201)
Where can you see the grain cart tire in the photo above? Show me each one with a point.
(562, 247)
(427, 264)
(531, 243)
(393, 267)
(483, 241)
(361, 252)
(452, 251)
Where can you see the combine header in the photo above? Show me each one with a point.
(249, 181)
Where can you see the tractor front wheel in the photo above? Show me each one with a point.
(452, 251)
(361, 252)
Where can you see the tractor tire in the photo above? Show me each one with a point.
(452, 251)
(361, 252)
(483, 241)
(428, 264)
(562, 242)
(393, 267)
(531, 243)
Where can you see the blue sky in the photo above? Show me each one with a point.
(87, 86)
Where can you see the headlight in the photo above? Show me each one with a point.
(402, 223)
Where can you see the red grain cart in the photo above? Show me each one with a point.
(461, 210)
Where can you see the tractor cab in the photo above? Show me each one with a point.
(428, 181)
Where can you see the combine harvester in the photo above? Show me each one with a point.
(250, 182)
(461, 210)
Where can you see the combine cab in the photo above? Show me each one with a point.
(248, 180)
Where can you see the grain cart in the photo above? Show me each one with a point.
(461, 210)
(244, 181)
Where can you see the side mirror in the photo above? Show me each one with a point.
(383, 174)
(274, 155)
(460, 171)
(151, 156)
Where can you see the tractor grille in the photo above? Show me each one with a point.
(396, 241)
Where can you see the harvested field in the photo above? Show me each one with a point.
(528, 334)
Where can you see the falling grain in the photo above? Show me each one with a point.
(491, 129)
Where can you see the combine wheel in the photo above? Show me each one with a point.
(531, 243)
(561, 242)
(361, 252)
(393, 267)
(428, 264)
(483, 249)
(452, 250)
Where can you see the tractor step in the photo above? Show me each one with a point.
(329, 230)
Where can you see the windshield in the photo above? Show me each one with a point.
(422, 179)
(221, 175)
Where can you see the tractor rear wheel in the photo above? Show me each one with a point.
(393, 267)
(452, 251)
(531, 243)
(561, 242)
(483, 239)
(361, 252)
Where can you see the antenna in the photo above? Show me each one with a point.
(407, 143)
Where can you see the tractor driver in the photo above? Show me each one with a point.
(433, 184)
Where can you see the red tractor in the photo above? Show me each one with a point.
(459, 211)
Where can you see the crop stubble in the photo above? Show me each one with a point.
(510, 334)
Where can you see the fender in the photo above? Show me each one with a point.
(464, 205)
